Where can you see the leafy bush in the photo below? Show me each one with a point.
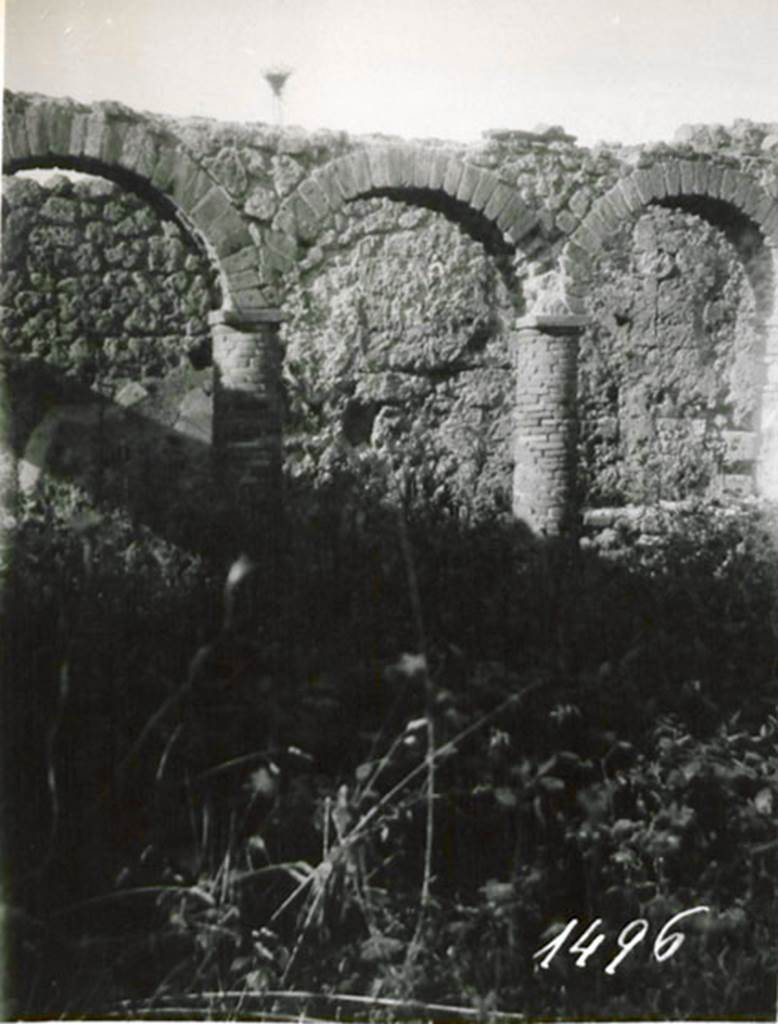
(294, 806)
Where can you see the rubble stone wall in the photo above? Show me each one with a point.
(401, 269)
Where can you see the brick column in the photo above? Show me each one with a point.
(546, 424)
(767, 456)
(247, 417)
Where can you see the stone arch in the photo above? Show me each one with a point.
(473, 197)
(728, 199)
(722, 195)
(143, 156)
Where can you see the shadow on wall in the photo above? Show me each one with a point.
(142, 453)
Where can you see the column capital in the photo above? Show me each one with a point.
(245, 319)
(551, 323)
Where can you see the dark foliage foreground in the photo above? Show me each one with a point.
(395, 777)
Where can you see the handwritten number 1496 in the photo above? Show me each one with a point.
(666, 943)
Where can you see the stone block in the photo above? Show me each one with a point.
(282, 245)
(751, 199)
(586, 240)
(658, 183)
(715, 175)
(17, 146)
(241, 279)
(515, 220)
(378, 160)
(343, 177)
(327, 182)
(96, 127)
(243, 260)
(78, 132)
(602, 221)
(630, 194)
(729, 183)
(672, 172)
(139, 151)
(467, 183)
(249, 298)
(734, 485)
(644, 184)
(579, 258)
(770, 224)
(190, 183)
(499, 199)
(566, 222)
(580, 204)
(59, 118)
(438, 168)
(423, 160)
(37, 133)
(401, 166)
(361, 168)
(482, 193)
(454, 170)
(739, 445)
(742, 191)
(162, 175)
(315, 196)
(221, 224)
(701, 177)
(687, 177)
(614, 198)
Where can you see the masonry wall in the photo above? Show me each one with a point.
(400, 325)
(107, 344)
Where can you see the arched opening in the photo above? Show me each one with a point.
(424, 303)
(694, 323)
(107, 293)
(396, 339)
(669, 369)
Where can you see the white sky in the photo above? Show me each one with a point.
(628, 70)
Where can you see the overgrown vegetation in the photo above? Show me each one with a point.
(375, 790)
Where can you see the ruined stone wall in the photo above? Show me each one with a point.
(400, 324)
(106, 343)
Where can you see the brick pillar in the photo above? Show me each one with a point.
(767, 457)
(546, 424)
(247, 419)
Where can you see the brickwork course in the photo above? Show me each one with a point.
(434, 298)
